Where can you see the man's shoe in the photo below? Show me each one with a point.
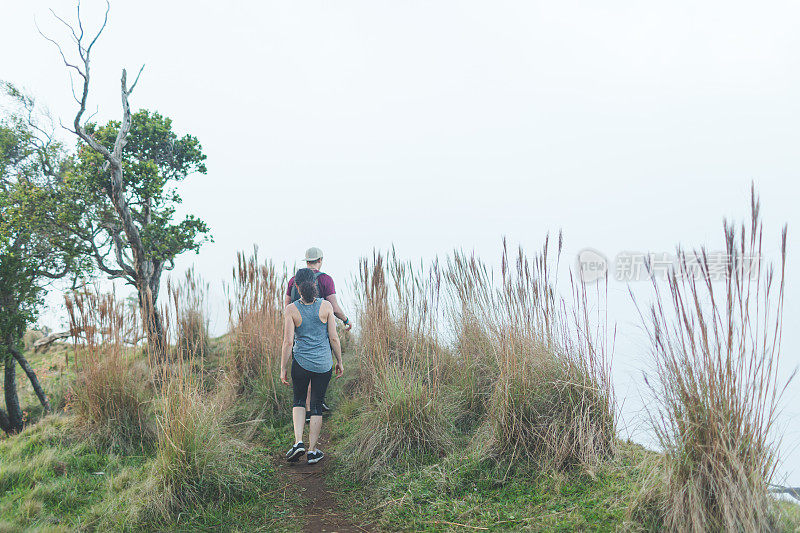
(315, 457)
(296, 452)
(325, 408)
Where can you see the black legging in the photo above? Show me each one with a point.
(319, 384)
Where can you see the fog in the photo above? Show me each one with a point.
(433, 126)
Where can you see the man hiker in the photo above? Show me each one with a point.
(326, 290)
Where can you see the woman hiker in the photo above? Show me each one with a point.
(309, 334)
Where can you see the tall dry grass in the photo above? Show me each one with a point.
(191, 315)
(169, 407)
(537, 363)
(470, 300)
(716, 347)
(196, 457)
(400, 366)
(397, 309)
(528, 366)
(112, 392)
(255, 310)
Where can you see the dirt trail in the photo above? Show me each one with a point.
(321, 514)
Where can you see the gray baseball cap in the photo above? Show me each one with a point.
(313, 254)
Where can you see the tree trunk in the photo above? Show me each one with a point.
(37, 388)
(5, 423)
(12, 399)
(153, 324)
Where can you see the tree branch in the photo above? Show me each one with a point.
(42, 343)
(84, 73)
(135, 81)
(132, 338)
(54, 275)
(119, 248)
(100, 258)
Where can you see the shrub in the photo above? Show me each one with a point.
(409, 421)
(399, 367)
(112, 392)
(717, 386)
(542, 358)
(255, 310)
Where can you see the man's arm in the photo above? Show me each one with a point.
(338, 312)
(287, 296)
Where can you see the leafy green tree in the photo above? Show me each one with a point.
(133, 233)
(123, 187)
(36, 246)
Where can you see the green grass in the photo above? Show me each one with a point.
(428, 494)
(56, 476)
(788, 516)
(49, 479)
(52, 479)
(464, 491)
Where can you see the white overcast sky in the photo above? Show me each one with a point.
(433, 125)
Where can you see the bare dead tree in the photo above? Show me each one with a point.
(43, 343)
(142, 271)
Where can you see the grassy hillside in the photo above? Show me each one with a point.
(57, 476)
(471, 402)
(460, 491)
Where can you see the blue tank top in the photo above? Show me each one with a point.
(312, 347)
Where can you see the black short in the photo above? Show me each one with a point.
(319, 385)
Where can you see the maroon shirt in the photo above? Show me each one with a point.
(326, 287)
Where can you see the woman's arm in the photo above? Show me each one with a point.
(336, 345)
(288, 341)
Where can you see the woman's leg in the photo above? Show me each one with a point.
(314, 428)
(299, 421)
(300, 383)
(319, 385)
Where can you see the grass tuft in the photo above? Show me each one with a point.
(112, 391)
(716, 344)
(540, 370)
(399, 367)
(255, 310)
